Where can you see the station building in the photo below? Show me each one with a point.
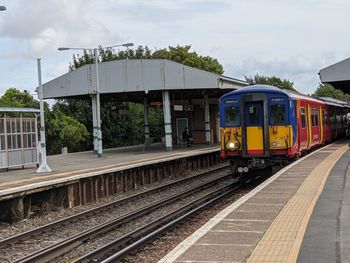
(188, 96)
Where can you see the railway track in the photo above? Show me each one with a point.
(49, 229)
(120, 247)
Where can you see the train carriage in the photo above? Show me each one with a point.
(262, 125)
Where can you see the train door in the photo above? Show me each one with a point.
(315, 125)
(320, 121)
(303, 130)
(254, 125)
(309, 133)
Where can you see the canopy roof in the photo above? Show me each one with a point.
(130, 79)
(338, 75)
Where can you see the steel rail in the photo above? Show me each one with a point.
(145, 233)
(99, 209)
(68, 244)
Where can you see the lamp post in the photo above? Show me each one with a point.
(43, 168)
(98, 135)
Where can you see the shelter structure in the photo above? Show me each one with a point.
(18, 137)
(189, 96)
(338, 75)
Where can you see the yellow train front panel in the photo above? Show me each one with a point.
(231, 139)
(281, 137)
(255, 140)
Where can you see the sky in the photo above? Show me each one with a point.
(286, 38)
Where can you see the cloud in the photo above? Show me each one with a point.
(291, 39)
(46, 25)
(302, 69)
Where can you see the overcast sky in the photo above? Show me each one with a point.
(287, 38)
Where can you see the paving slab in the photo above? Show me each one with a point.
(230, 237)
(241, 225)
(252, 207)
(215, 253)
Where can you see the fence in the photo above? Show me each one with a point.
(18, 137)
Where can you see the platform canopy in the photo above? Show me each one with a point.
(130, 79)
(338, 75)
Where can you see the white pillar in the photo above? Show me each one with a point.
(98, 109)
(167, 121)
(94, 122)
(43, 168)
(145, 103)
(207, 119)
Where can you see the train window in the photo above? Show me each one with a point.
(325, 117)
(303, 118)
(278, 114)
(253, 115)
(314, 117)
(231, 116)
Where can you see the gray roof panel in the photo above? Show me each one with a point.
(338, 75)
(132, 75)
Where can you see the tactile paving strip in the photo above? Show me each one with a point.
(281, 242)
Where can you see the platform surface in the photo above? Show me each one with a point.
(71, 164)
(270, 224)
(327, 237)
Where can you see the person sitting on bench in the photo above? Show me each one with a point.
(187, 138)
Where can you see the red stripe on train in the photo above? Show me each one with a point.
(255, 152)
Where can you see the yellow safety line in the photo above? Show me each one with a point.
(294, 252)
(282, 241)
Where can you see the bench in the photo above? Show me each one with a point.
(181, 142)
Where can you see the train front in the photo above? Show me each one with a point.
(258, 127)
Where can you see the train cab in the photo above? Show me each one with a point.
(257, 123)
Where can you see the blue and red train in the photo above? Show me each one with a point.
(263, 125)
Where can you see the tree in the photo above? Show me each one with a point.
(327, 90)
(180, 54)
(274, 81)
(61, 130)
(15, 98)
(65, 131)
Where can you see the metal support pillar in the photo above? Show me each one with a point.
(43, 168)
(145, 103)
(207, 119)
(167, 121)
(94, 122)
(98, 108)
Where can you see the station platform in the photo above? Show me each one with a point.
(300, 214)
(66, 166)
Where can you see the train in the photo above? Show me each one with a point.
(262, 125)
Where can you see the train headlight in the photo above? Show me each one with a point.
(234, 145)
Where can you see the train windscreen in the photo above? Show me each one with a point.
(278, 114)
(231, 116)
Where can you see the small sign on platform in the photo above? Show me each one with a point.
(178, 107)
